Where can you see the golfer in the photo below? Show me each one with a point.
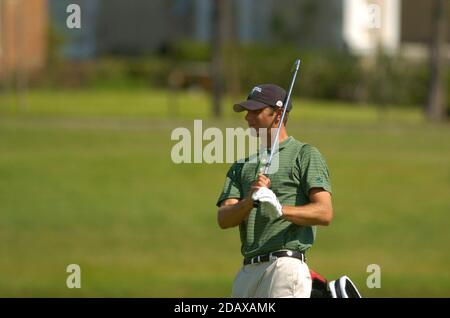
(276, 213)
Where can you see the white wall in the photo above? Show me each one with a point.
(372, 23)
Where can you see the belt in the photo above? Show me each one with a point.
(274, 256)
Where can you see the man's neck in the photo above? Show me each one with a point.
(281, 137)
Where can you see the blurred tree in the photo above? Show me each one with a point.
(219, 27)
(231, 51)
(21, 74)
(435, 109)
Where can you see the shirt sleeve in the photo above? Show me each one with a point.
(232, 187)
(313, 170)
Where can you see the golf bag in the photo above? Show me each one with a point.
(342, 287)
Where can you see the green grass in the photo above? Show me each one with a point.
(86, 178)
(168, 104)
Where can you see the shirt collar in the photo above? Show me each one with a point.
(284, 143)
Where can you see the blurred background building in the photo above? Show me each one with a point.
(143, 27)
(147, 26)
(23, 36)
(199, 35)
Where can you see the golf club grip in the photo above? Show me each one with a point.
(256, 203)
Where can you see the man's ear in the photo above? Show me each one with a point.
(279, 113)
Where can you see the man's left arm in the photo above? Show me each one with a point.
(318, 212)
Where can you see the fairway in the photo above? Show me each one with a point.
(86, 178)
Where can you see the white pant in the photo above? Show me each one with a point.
(285, 277)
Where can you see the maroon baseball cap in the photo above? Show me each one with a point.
(262, 96)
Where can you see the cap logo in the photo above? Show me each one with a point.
(256, 89)
(279, 103)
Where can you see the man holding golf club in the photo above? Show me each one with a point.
(276, 208)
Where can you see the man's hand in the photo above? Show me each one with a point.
(233, 211)
(269, 201)
(261, 181)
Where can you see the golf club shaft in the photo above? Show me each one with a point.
(286, 103)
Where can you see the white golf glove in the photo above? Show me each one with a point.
(269, 200)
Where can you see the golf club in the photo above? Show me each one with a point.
(294, 69)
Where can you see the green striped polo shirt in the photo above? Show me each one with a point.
(301, 167)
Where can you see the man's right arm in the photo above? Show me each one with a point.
(233, 211)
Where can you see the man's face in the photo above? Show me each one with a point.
(261, 118)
